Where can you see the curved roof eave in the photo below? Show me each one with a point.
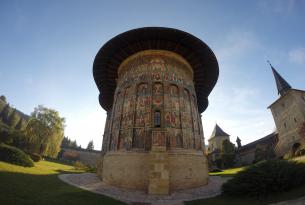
(116, 50)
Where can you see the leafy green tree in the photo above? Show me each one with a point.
(45, 131)
(73, 144)
(2, 105)
(21, 124)
(13, 119)
(228, 154)
(90, 145)
(5, 114)
(3, 98)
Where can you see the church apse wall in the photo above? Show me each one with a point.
(154, 83)
(155, 103)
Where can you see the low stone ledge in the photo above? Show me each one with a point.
(91, 182)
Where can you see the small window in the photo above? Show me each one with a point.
(285, 125)
(295, 120)
(157, 119)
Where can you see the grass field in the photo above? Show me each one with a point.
(227, 172)
(40, 185)
(226, 200)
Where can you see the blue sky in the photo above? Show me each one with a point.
(47, 50)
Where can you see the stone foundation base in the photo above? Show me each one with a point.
(179, 169)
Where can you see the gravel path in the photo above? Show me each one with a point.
(91, 182)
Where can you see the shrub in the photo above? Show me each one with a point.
(216, 170)
(79, 166)
(35, 157)
(15, 156)
(266, 177)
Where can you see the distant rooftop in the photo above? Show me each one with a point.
(218, 132)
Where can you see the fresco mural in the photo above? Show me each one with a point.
(153, 84)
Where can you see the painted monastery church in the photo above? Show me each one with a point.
(288, 112)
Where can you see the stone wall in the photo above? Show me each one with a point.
(181, 170)
(86, 157)
(289, 113)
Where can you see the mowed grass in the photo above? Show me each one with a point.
(40, 185)
(227, 200)
(227, 172)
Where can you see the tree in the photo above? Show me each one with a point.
(5, 114)
(227, 153)
(45, 131)
(21, 124)
(90, 145)
(2, 104)
(3, 98)
(73, 144)
(13, 120)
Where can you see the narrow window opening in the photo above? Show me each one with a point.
(157, 119)
(295, 120)
(285, 125)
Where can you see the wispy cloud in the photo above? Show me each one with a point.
(236, 44)
(297, 55)
(239, 114)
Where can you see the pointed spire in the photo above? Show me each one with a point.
(281, 83)
(218, 132)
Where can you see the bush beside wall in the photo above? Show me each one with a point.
(15, 156)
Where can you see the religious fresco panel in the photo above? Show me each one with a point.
(139, 138)
(174, 91)
(186, 138)
(148, 139)
(125, 139)
(140, 119)
(150, 85)
(158, 102)
(147, 118)
(158, 138)
(167, 119)
(175, 119)
(167, 102)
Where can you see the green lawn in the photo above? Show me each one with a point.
(40, 185)
(226, 200)
(227, 172)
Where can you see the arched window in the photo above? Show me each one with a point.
(157, 118)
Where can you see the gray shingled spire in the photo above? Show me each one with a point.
(281, 83)
(217, 132)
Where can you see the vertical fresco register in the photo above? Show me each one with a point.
(154, 83)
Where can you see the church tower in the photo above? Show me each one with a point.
(288, 113)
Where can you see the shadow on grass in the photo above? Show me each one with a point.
(28, 189)
(229, 200)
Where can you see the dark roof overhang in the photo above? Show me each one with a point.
(116, 50)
